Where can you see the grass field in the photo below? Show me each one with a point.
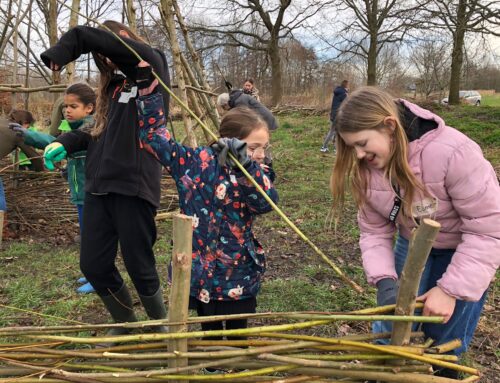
(41, 278)
(491, 100)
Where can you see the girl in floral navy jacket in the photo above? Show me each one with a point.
(228, 261)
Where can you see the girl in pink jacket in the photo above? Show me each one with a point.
(405, 164)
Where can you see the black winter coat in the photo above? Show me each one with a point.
(115, 162)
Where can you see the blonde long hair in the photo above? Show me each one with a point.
(107, 72)
(366, 108)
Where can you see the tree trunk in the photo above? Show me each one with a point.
(201, 81)
(15, 47)
(131, 15)
(73, 22)
(52, 27)
(168, 18)
(371, 78)
(277, 87)
(457, 55)
(27, 72)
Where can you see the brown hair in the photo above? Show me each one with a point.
(250, 80)
(84, 92)
(21, 117)
(106, 73)
(365, 109)
(344, 83)
(240, 122)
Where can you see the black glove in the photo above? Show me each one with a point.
(387, 290)
(234, 146)
(144, 76)
(146, 82)
(18, 129)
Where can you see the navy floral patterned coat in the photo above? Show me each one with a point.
(228, 261)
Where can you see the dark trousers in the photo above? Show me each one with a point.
(215, 307)
(112, 219)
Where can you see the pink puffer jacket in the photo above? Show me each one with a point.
(454, 171)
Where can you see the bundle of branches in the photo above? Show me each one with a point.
(42, 199)
(271, 353)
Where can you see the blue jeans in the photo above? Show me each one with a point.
(3, 204)
(464, 320)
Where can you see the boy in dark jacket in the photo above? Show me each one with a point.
(339, 95)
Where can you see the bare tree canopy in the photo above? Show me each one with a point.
(261, 26)
(460, 17)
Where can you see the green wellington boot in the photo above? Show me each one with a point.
(119, 305)
(155, 308)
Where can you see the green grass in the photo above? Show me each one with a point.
(491, 100)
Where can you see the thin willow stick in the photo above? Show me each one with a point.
(156, 373)
(323, 319)
(344, 366)
(446, 347)
(26, 330)
(403, 377)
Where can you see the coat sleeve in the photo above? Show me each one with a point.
(157, 140)
(265, 113)
(376, 237)
(473, 188)
(255, 201)
(82, 39)
(74, 141)
(38, 140)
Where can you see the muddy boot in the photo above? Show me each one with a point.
(119, 305)
(155, 308)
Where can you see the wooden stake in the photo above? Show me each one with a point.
(181, 282)
(420, 247)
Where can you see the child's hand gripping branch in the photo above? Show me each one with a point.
(237, 148)
(55, 152)
(146, 82)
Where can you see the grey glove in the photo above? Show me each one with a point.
(387, 290)
(18, 129)
(234, 146)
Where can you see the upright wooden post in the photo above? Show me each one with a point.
(181, 282)
(420, 247)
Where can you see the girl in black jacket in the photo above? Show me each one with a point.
(122, 182)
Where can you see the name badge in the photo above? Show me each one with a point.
(126, 96)
(424, 208)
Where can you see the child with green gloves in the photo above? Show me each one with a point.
(78, 106)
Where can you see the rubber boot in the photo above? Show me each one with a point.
(87, 288)
(119, 305)
(155, 308)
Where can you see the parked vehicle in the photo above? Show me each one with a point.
(471, 97)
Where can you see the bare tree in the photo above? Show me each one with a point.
(431, 60)
(461, 17)
(73, 22)
(261, 25)
(373, 24)
(130, 13)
